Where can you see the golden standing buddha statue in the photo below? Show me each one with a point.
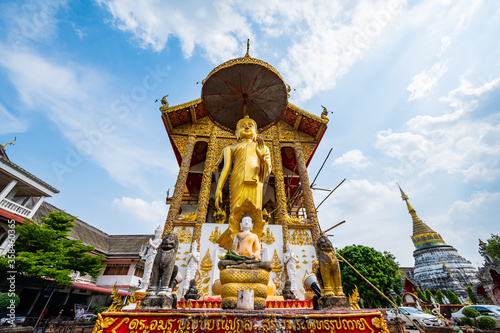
(251, 162)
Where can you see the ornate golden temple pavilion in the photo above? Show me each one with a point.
(199, 130)
(269, 183)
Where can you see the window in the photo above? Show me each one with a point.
(139, 271)
(3, 234)
(116, 269)
(482, 310)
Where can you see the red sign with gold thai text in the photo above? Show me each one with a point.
(214, 320)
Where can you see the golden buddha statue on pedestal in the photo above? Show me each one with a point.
(241, 267)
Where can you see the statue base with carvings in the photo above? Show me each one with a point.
(219, 320)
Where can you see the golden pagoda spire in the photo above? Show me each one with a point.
(423, 235)
(248, 49)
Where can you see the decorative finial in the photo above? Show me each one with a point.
(164, 101)
(248, 49)
(324, 114)
(10, 143)
(403, 194)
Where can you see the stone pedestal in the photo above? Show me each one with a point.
(397, 326)
(333, 302)
(157, 302)
(237, 279)
(245, 300)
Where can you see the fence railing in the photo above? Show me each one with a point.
(15, 207)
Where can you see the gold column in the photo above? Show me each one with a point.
(280, 186)
(206, 181)
(306, 189)
(173, 211)
(278, 177)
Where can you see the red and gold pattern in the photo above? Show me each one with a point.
(272, 320)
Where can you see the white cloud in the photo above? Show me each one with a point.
(76, 98)
(10, 123)
(478, 171)
(425, 81)
(33, 21)
(466, 95)
(445, 42)
(463, 15)
(372, 211)
(328, 43)
(453, 142)
(399, 145)
(141, 210)
(354, 159)
(79, 32)
(217, 27)
(328, 37)
(466, 221)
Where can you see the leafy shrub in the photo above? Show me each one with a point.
(440, 297)
(486, 323)
(467, 321)
(399, 300)
(470, 293)
(421, 295)
(391, 298)
(452, 297)
(5, 300)
(428, 294)
(470, 313)
(100, 309)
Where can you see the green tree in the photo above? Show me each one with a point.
(486, 323)
(421, 295)
(470, 293)
(374, 266)
(391, 260)
(6, 299)
(428, 295)
(440, 297)
(452, 297)
(44, 250)
(491, 248)
(399, 301)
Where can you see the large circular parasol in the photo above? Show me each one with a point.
(244, 86)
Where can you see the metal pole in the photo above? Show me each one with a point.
(335, 226)
(39, 317)
(381, 293)
(312, 184)
(330, 194)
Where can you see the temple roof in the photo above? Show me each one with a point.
(423, 236)
(112, 246)
(294, 116)
(239, 87)
(18, 173)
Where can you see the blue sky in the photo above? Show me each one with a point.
(413, 87)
